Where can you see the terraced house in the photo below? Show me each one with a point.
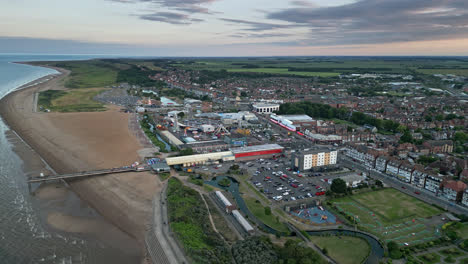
(453, 190)
(433, 183)
(381, 163)
(418, 177)
(392, 167)
(404, 172)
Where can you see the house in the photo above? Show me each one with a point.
(381, 163)
(404, 172)
(453, 190)
(433, 182)
(392, 167)
(439, 146)
(418, 177)
(464, 200)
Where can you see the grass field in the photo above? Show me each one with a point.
(89, 74)
(463, 231)
(285, 71)
(344, 249)
(391, 215)
(258, 210)
(220, 223)
(461, 72)
(71, 101)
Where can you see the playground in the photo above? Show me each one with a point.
(391, 215)
(314, 216)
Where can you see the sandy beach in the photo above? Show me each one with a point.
(72, 142)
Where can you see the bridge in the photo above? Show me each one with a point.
(85, 174)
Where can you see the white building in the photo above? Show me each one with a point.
(265, 108)
(433, 183)
(392, 167)
(404, 172)
(306, 160)
(207, 128)
(465, 198)
(418, 177)
(381, 163)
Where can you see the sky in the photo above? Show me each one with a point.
(235, 27)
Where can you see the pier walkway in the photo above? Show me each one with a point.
(85, 174)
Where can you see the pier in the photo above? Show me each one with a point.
(85, 174)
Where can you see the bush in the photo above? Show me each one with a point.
(267, 210)
(225, 182)
(394, 250)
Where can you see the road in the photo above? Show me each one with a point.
(424, 195)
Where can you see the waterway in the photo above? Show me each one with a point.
(25, 236)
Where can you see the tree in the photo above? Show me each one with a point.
(243, 94)
(338, 186)
(394, 250)
(428, 118)
(406, 137)
(379, 183)
(181, 115)
(267, 210)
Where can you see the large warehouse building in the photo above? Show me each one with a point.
(293, 122)
(238, 154)
(200, 158)
(265, 108)
(256, 152)
(306, 160)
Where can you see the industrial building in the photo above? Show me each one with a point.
(265, 108)
(256, 152)
(293, 122)
(228, 206)
(306, 160)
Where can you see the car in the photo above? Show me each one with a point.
(294, 185)
(416, 192)
(299, 175)
(309, 195)
(293, 198)
(279, 189)
(285, 193)
(317, 187)
(403, 187)
(319, 193)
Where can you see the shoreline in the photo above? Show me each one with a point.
(111, 196)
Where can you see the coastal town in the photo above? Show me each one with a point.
(315, 157)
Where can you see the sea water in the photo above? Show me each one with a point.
(24, 237)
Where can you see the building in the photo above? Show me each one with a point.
(207, 128)
(464, 200)
(381, 163)
(160, 167)
(392, 167)
(404, 172)
(418, 178)
(243, 222)
(453, 190)
(439, 146)
(294, 122)
(433, 183)
(190, 160)
(228, 206)
(353, 180)
(256, 152)
(306, 160)
(265, 108)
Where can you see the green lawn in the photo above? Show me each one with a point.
(71, 101)
(89, 73)
(391, 215)
(285, 71)
(392, 206)
(345, 250)
(258, 210)
(430, 258)
(463, 231)
(461, 72)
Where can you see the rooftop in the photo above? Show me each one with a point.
(297, 117)
(256, 148)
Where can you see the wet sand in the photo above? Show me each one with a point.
(72, 142)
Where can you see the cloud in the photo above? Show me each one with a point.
(188, 7)
(170, 18)
(257, 26)
(380, 21)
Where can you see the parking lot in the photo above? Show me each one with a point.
(275, 178)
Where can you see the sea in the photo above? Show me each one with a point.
(25, 237)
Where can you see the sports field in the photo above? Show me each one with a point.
(344, 249)
(391, 215)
